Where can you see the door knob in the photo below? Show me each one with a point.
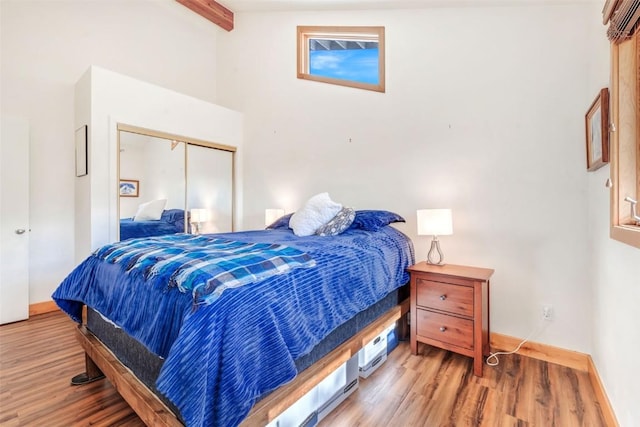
(20, 231)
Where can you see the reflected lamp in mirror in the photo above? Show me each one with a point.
(271, 215)
(435, 222)
(198, 217)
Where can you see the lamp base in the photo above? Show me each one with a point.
(195, 228)
(431, 256)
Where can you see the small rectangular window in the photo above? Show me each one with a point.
(346, 56)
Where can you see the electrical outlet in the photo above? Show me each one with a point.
(547, 312)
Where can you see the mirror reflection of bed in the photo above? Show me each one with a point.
(183, 185)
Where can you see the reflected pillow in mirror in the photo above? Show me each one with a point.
(150, 211)
(173, 216)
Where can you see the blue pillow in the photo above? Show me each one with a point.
(174, 216)
(372, 220)
(282, 222)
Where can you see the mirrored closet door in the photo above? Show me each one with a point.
(171, 184)
(210, 188)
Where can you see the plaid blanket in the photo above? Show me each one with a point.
(204, 266)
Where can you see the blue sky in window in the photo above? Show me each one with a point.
(360, 65)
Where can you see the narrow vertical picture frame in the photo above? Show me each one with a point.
(81, 151)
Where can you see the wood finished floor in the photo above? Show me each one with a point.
(38, 357)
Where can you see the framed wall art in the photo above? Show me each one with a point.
(597, 131)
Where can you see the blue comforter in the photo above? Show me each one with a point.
(222, 357)
(171, 222)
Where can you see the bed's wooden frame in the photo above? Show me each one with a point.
(100, 360)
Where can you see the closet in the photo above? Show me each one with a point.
(194, 177)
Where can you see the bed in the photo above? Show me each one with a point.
(170, 222)
(224, 353)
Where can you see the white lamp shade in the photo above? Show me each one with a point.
(199, 215)
(271, 215)
(435, 222)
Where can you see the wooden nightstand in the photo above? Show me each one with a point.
(450, 309)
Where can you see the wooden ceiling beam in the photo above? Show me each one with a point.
(211, 10)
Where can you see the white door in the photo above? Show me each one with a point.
(14, 220)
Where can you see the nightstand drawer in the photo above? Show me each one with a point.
(445, 296)
(449, 329)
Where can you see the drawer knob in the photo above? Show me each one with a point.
(443, 328)
(443, 297)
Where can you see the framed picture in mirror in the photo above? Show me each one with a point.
(129, 188)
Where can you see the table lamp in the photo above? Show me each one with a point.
(198, 216)
(435, 222)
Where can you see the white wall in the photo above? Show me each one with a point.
(46, 46)
(615, 276)
(483, 113)
(614, 272)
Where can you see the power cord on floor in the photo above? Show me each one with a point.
(535, 331)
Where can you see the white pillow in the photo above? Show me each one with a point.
(151, 210)
(318, 210)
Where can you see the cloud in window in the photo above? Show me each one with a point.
(359, 65)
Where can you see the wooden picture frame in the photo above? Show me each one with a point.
(81, 151)
(129, 188)
(597, 131)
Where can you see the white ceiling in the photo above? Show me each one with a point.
(289, 5)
